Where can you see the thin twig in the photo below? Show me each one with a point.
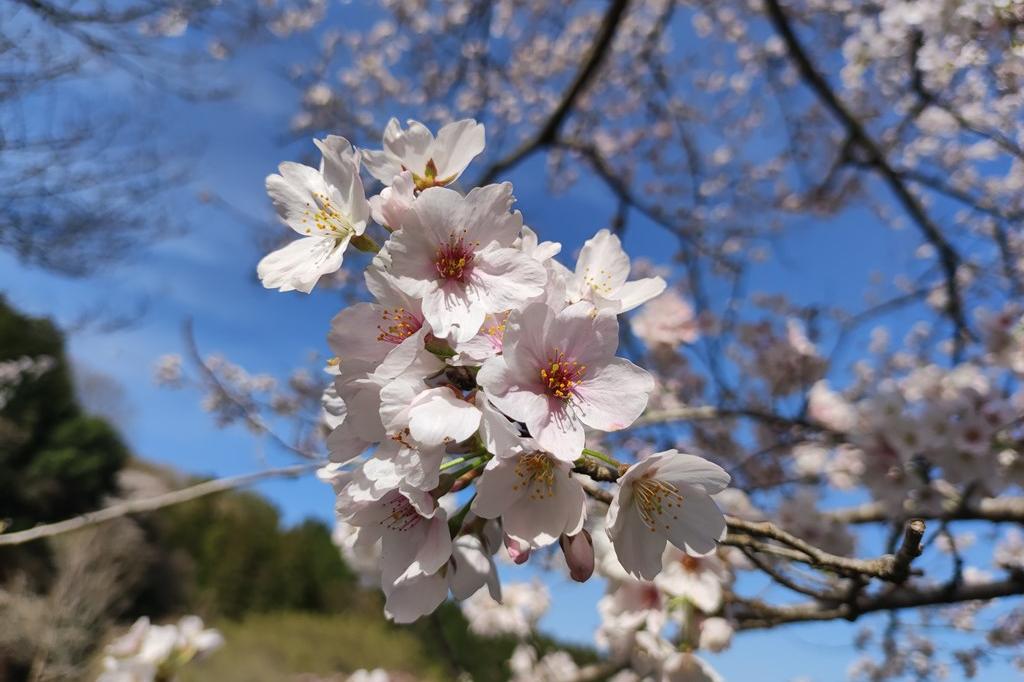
(148, 504)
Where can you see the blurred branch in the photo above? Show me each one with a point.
(1007, 509)
(548, 133)
(151, 503)
(755, 614)
(949, 259)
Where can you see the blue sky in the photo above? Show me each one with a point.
(207, 275)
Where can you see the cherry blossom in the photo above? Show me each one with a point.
(433, 162)
(600, 277)
(665, 497)
(535, 495)
(327, 207)
(560, 373)
(455, 253)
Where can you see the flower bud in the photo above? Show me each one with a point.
(579, 555)
(517, 551)
(715, 634)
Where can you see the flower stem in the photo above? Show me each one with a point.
(456, 461)
(614, 463)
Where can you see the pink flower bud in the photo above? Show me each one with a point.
(579, 555)
(519, 552)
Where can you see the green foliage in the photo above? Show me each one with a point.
(232, 557)
(273, 647)
(55, 460)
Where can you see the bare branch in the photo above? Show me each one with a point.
(949, 259)
(548, 133)
(149, 504)
(755, 614)
(1007, 509)
(890, 567)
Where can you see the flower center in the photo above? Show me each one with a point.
(403, 515)
(654, 499)
(397, 324)
(599, 283)
(326, 218)
(690, 564)
(454, 259)
(494, 329)
(536, 472)
(429, 177)
(561, 375)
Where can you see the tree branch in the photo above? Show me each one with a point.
(949, 259)
(755, 614)
(149, 504)
(890, 567)
(548, 133)
(1008, 509)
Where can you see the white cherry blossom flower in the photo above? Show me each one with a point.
(147, 652)
(558, 372)
(412, 528)
(665, 497)
(433, 162)
(519, 610)
(455, 254)
(367, 332)
(600, 277)
(535, 494)
(699, 580)
(327, 207)
(715, 634)
(667, 320)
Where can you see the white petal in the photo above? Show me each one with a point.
(506, 278)
(679, 468)
(497, 489)
(299, 265)
(603, 265)
(611, 397)
(456, 145)
(438, 416)
(381, 165)
(637, 548)
(638, 292)
(485, 215)
(415, 598)
(697, 526)
(354, 333)
(558, 431)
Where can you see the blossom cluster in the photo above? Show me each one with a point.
(917, 441)
(464, 390)
(147, 652)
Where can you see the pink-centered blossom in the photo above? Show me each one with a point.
(558, 372)
(455, 254)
